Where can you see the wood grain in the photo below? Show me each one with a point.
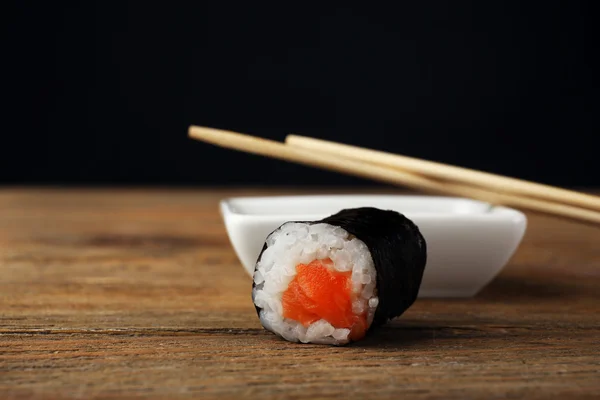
(112, 293)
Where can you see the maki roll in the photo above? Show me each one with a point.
(331, 281)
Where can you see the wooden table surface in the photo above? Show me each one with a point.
(138, 293)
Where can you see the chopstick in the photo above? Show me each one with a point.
(499, 183)
(278, 150)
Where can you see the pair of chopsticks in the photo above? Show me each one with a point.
(427, 176)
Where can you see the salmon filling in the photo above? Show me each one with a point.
(320, 292)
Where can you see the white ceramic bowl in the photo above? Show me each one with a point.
(468, 242)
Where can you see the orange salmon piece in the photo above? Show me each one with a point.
(319, 292)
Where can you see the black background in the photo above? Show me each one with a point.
(103, 93)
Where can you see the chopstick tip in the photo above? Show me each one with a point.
(190, 130)
(290, 138)
(197, 132)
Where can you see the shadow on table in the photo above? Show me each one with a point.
(510, 289)
(397, 334)
(452, 320)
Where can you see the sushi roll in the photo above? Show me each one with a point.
(333, 280)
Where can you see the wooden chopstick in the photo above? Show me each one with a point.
(273, 149)
(484, 180)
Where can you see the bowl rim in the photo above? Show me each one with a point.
(490, 212)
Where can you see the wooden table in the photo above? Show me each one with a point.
(137, 293)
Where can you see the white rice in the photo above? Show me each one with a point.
(300, 243)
